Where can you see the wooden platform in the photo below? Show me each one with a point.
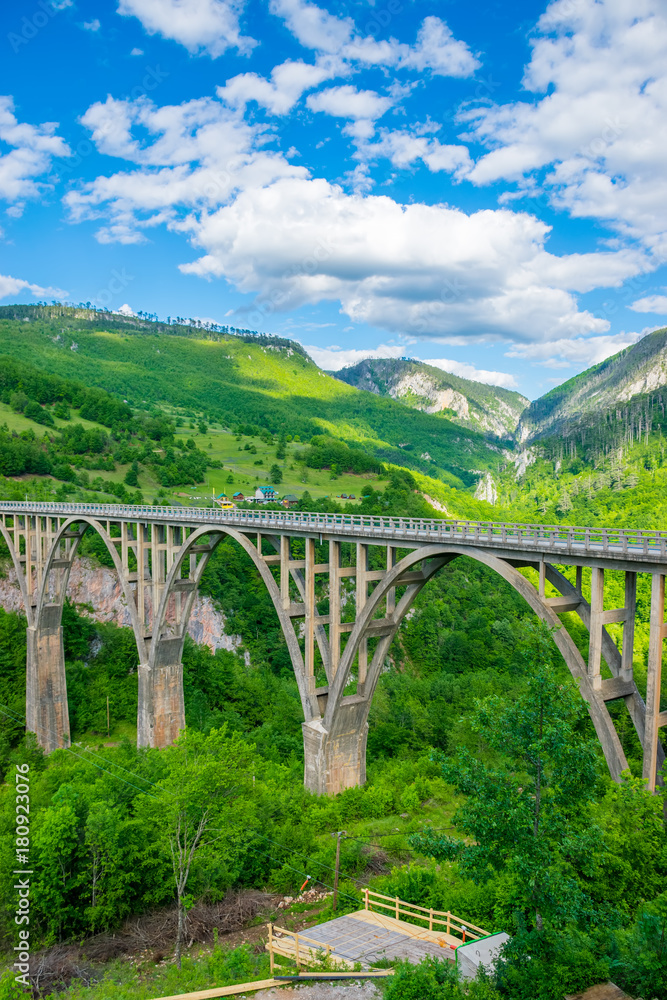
(368, 937)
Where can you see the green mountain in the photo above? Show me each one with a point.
(485, 408)
(637, 373)
(245, 383)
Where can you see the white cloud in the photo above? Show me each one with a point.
(421, 270)
(279, 94)
(651, 304)
(403, 148)
(12, 286)
(465, 370)
(581, 352)
(595, 134)
(125, 310)
(195, 157)
(93, 25)
(334, 358)
(313, 26)
(210, 26)
(435, 48)
(439, 51)
(34, 147)
(137, 52)
(348, 102)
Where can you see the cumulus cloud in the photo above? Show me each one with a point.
(421, 270)
(279, 94)
(34, 147)
(93, 25)
(581, 352)
(12, 286)
(651, 304)
(348, 102)
(193, 156)
(595, 134)
(202, 26)
(435, 49)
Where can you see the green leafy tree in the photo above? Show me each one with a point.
(132, 474)
(276, 475)
(204, 810)
(526, 814)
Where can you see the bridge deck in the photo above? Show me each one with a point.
(573, 544)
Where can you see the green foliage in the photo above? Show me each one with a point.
(435, 979)
(527, 814)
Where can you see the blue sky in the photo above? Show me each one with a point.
(481, 186)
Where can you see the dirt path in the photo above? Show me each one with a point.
(323, 991)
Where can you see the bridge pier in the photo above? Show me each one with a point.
(47, 713)
(334, 761)
(161, 706)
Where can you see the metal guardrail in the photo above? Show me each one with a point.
(493, 534)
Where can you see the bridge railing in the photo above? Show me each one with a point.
(497, 534)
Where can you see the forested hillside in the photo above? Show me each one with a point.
(237, 380)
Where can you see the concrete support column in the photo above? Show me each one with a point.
(335, 761)
(47, 714)
(161, 705)
(361, 598)
(595, 628)
(654, 718)
(629, 625)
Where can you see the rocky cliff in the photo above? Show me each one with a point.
(489, 409)
(91, 585)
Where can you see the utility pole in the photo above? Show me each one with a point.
(337, 869)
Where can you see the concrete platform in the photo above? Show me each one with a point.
(368, 937)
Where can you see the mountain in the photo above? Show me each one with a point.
(582, 401)
(485, 408)
(241, 380)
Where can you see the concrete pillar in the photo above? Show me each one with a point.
(47, 714)
(161, 706)
(658, 631)
(335, 761)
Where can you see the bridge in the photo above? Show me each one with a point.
(375, 566)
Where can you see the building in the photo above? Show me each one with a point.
(266, 494)
(289, 500)
(238, 497)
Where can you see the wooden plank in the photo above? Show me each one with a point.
(226, 991)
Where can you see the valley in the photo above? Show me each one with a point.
(99, 408)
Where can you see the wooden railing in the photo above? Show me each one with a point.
(303, 950)
(454, 926)
(556, 539)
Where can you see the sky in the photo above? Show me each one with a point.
(481, 186)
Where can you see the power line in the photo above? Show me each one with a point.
(296, 870)
(69, 750)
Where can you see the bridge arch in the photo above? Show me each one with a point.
(343, 713)
(18, 569)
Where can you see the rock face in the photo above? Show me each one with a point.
(486, 489)
(486, 408)
(97, 587)
(637, 371)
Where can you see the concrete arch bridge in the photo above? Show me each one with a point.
(160, 554)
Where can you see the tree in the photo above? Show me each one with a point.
(526, 816)
(276, 475)
(132, 474)
(205, 802)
